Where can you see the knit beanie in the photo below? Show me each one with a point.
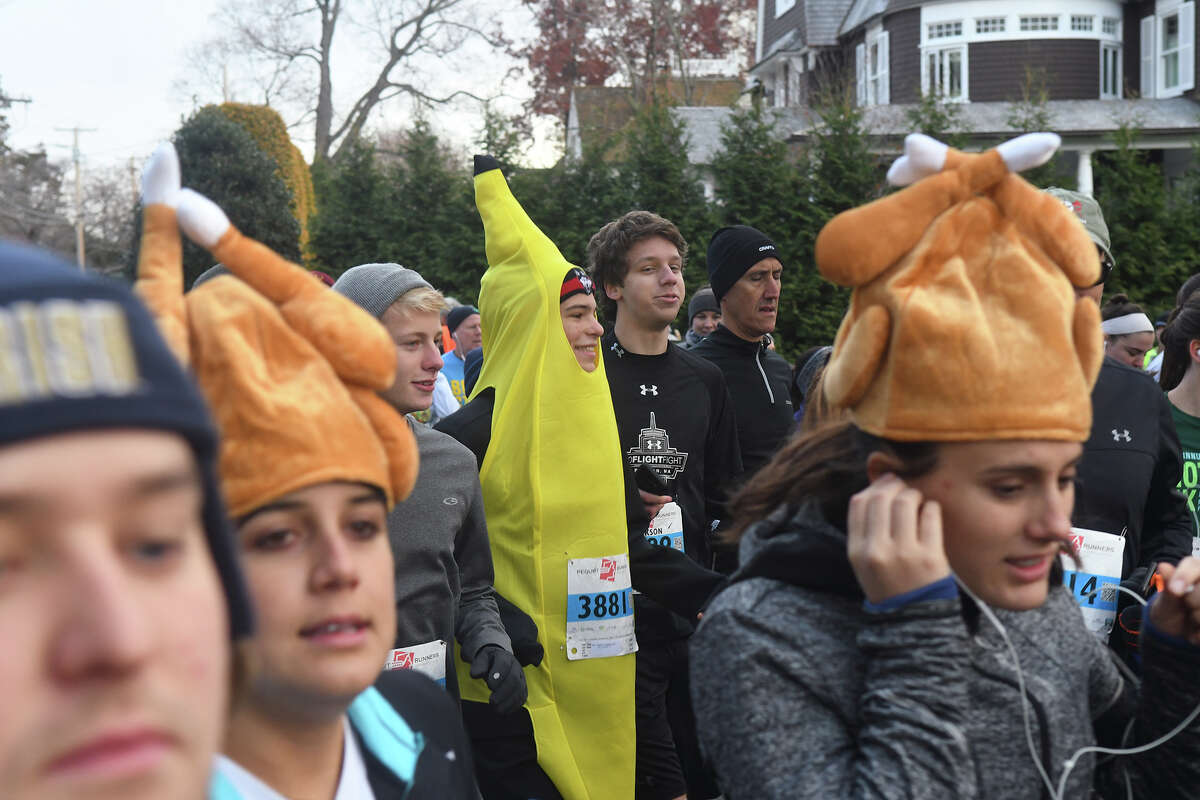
(961, 281)
(79, 353)
(376, 286)
(290, 369)
(732, 251)
(703, 300)
(458, 315)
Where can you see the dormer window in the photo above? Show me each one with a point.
(1039, 23)
(944, 30)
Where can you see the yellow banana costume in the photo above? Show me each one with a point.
(553, 489)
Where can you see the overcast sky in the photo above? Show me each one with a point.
(115, 66)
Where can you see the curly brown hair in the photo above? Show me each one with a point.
(608, 249)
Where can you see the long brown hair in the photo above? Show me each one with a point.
(1183, 327)
(827, 465)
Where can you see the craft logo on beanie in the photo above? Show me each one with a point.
(78, 353)
(732, 251)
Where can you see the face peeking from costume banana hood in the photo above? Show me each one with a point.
(963, 324)
(553, 490)
(289, 368)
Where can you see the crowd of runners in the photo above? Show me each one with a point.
(264, 538)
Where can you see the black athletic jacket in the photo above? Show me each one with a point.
(758, 380)
(1130, 470)
(675, 417)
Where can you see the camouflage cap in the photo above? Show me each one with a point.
(1088, 211)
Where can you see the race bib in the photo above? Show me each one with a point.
(1095, 585)
(666, 530)
(599, 608)
(429, 658)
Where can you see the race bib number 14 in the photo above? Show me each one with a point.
(599, 608)
(1095, 585)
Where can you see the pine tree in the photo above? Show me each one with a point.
(1132, 194)
(657, 176)
(839, 172)
(219, 159)
(351, 218)
(759, 184)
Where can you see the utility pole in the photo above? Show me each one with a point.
(75, 154)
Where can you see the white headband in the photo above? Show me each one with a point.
(1130, 323)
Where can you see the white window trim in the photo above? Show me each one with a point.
(783, 6)
(1003, 26)
(873, 87)
(1118, 79)
(1151, 34)
(1087, 18)
(1011, 11)
(926, 78)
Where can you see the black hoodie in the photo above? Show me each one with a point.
(758, 380)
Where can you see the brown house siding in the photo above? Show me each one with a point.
(904, 55)
(998, 71)
(776, 28)
(1131, 51)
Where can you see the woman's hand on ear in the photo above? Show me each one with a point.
(1176, 611)
(894, 539)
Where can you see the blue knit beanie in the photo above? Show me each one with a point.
(79, 352)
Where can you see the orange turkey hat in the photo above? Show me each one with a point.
(963, 324)
(289, 368)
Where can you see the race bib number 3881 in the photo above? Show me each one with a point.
(599, 608)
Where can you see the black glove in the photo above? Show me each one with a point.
(502, 674)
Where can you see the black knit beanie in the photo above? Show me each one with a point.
(732, 251)
(458, 315)
(83, 353)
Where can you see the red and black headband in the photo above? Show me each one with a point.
(576, 282)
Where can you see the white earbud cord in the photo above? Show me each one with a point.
(1070, 764)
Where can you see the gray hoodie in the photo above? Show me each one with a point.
(801, 693)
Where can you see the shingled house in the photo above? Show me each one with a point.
(1101, 63)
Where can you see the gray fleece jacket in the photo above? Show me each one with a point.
(801, 693)
(443, 559)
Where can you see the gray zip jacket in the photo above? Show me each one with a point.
(443, 559)
(801, 693)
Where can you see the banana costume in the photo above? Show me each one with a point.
(553, 487)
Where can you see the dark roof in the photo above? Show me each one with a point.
(1069, 118)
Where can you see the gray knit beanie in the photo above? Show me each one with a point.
(376, 286)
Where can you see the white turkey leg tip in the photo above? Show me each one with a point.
(160, 177)
(1028, 151)
(926, 153)
(201, 219)
(901, 172)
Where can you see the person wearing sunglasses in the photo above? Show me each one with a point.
(1132, 461)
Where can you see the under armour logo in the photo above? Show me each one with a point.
(1121, 435)
(616, 348)
(652, 389)
(654, 444)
